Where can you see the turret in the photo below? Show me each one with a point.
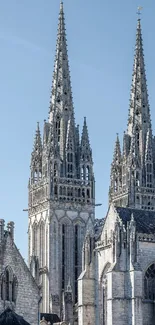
(36, 158)
(85, 155)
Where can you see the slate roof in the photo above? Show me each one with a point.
(52, 318)
(9, 317)
(145, 220)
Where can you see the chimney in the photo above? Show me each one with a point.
(10, 229)
(2, 224)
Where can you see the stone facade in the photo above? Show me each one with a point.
(18, 289)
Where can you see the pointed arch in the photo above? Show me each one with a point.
(103, 294)
(149, 283)
(42, 244)
(9, 285)
(35, 238)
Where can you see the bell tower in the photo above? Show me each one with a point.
(61, 190)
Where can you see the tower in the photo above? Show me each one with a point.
(133, 169)
(61, 191)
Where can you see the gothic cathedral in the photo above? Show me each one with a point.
(91, 271)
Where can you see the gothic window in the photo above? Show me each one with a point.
(61, 170)
(58, 99)
(14, 288)
(116, 185)
(55, 170)
(42, 244)
(79, 192)
(35, 176)
(35, 242)
(137, 178)
(55, 189)
(87, 173)
(88, 193)
(64, 190)
(63, 256)
(57, 127)
(149, 283)
(82, 173)
(149, 175)
(83, 193)
(137, 137)
(60, 190)
(70, 157)
(8, 285)
(76, 261)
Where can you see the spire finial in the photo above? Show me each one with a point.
(139, 9)
(61, 5)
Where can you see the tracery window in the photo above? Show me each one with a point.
(149, 283)
(9, 285)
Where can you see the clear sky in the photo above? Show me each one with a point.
(101, 39)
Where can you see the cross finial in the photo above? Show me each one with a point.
(139, 9)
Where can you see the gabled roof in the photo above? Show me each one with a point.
(52, 318)
(145, 220)
(9, 317)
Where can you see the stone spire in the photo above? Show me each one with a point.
(85, 144)
(117, 151)
(139, 112)
(134, 176)
(61, 96)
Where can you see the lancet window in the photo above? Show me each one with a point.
(9, 285)
(57, 127)
(149, 283)
(76, 261)
(63, 254)
(149, 175)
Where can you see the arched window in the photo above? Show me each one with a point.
(88, 193)
(35, 242)
(137, 178)
(35, 176)
(2, 287)
(149, 283)
(42, 244)
(57, 125)
(137, 137)
(14, 288)
(55, 169)
(87, 173)
(116, 185)
(64, 190)
(7, 284)
(55, 190)
(60, 190)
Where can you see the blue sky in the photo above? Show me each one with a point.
(101, 39)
